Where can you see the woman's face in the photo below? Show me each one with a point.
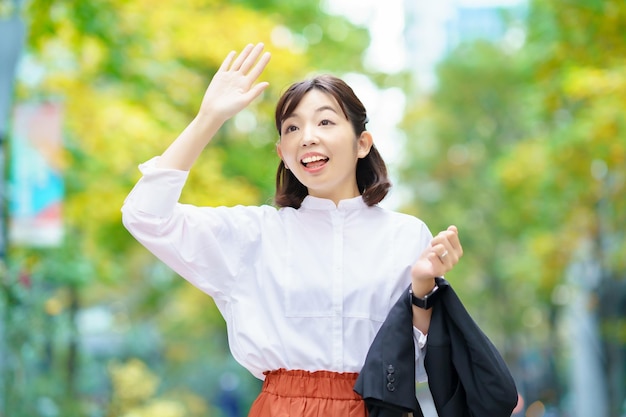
(319, 146)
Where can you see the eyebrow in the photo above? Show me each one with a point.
(318, 110)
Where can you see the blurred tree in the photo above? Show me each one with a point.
(477, 113)
(578, 49)
(131, 75)
(526, 151)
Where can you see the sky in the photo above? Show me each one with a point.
(385, 21)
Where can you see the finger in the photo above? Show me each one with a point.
(449, 252)
(242, 57)
(252, 57)
(255, 91)
(454, 238)
(227, 61)
(438, 267)
(434, 258)
(442, 236)
(442, 252)
(260, 66)
(455, 242)
(449, 236)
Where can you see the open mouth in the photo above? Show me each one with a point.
(315, 161)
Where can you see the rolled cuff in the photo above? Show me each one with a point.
(420, 352)
(158, 190)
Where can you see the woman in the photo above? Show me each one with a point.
(305, 287)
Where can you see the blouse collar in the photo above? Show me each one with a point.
(316, 203)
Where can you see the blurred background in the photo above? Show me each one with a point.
(506, 118)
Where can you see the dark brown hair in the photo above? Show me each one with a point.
(371, 171)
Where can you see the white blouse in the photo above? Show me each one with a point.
(299, 289)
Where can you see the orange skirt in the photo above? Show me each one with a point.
(308, 394)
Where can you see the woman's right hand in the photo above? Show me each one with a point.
(234, 86)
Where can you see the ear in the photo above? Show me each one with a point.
(364, 144)
(280, 153)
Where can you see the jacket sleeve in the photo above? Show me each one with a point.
(467, 375)
(387, 380)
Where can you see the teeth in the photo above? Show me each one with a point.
(315, 158)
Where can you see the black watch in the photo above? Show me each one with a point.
(427, 301)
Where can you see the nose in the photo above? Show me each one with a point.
(309, 137)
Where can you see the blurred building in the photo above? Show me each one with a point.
(432, 30)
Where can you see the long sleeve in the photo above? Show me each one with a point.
(199, 243)
(387, 380)
(467, 375)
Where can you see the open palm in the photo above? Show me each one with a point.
(234, 86)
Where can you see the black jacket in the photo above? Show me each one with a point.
(467, 376)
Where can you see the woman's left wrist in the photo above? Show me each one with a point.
(422, 287)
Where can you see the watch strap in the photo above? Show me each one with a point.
(425, 302)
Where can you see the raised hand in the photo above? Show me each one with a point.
(234, 86)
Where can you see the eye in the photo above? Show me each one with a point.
(326, 122)
(290, 128)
